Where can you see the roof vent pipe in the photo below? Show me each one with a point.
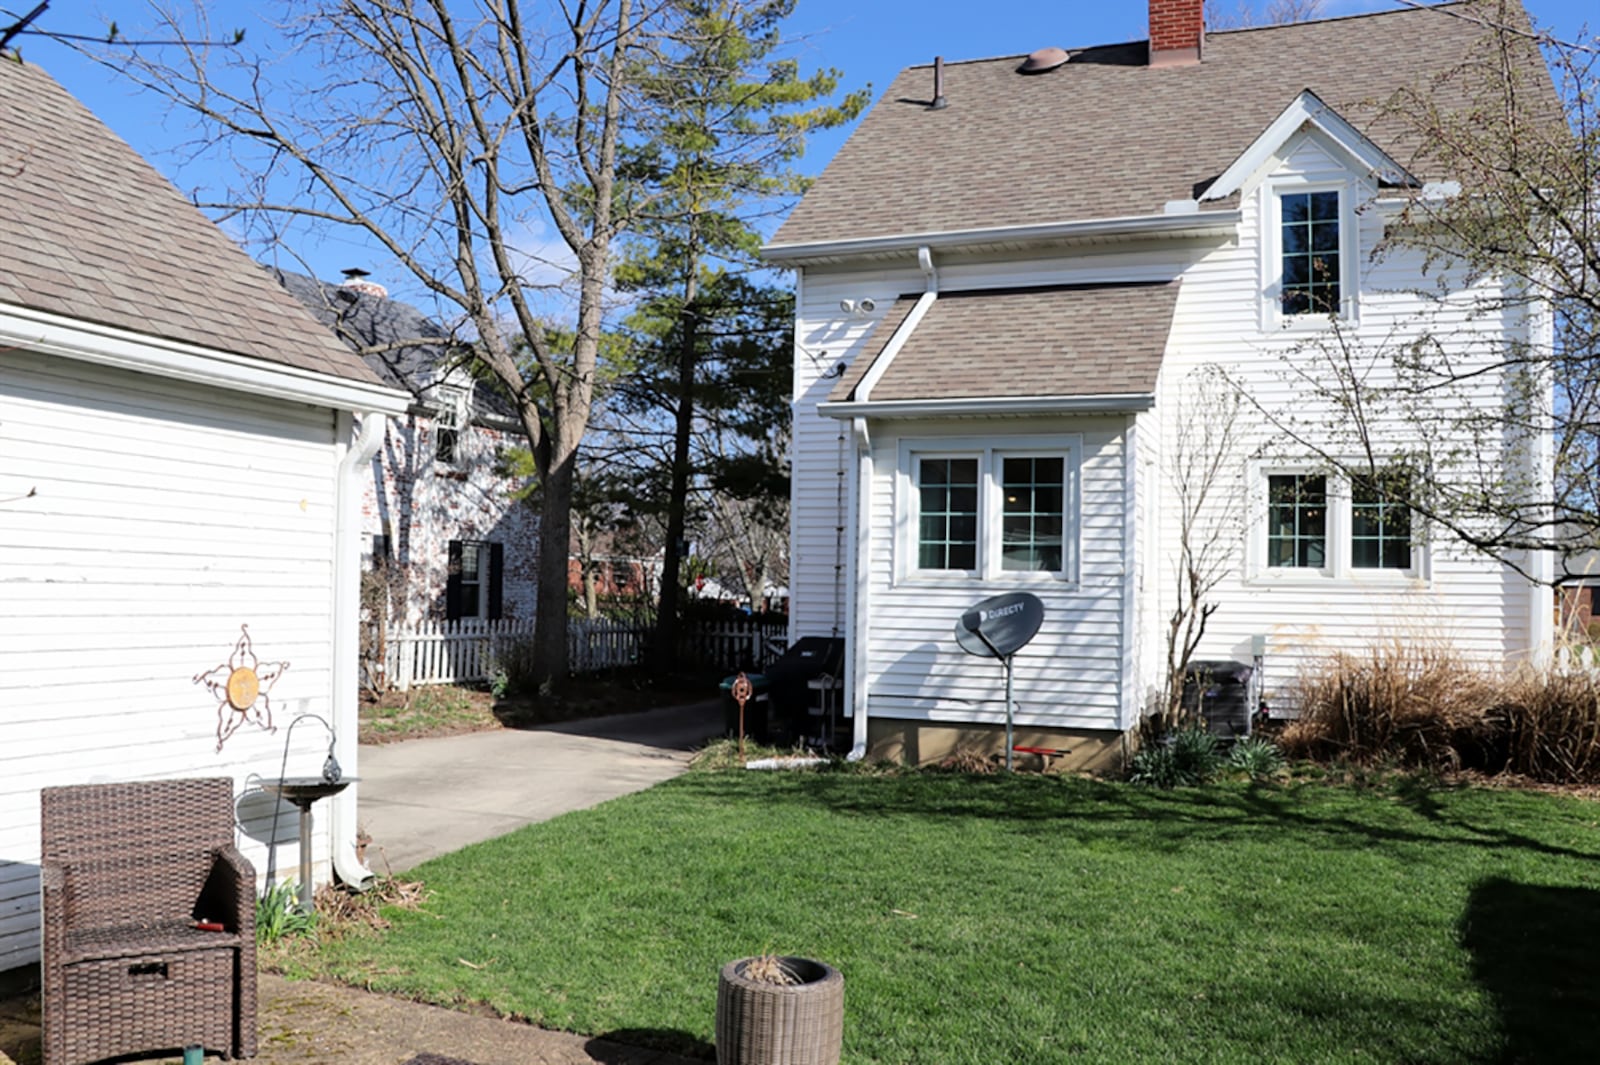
(939, 102)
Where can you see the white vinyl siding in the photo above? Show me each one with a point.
(163, 517)
(1070, 675)
(1452, 594)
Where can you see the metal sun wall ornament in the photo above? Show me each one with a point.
(241, 685)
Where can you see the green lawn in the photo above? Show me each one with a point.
(1038, 919)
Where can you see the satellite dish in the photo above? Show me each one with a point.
(1000, 626)
(1044, 60)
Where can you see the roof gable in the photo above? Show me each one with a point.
(1304, 114)
(91, 232)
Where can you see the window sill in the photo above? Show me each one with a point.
(926, 579)
(1297, 577)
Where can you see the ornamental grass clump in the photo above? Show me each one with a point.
(770, 969)
(1549, 719)
(1419, 705)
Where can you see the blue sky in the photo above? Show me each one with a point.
(869, 41)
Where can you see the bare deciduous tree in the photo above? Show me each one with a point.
(1243, 14)
(1203, 473)
(455, 140)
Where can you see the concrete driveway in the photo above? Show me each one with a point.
(423, 798)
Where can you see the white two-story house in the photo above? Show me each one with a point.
(1025, 283)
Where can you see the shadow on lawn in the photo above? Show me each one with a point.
(1175, 819)
(621, 1047)
(1536, 950)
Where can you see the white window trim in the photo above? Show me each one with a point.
(1339, 567)
(988, 451)
(1273, 320)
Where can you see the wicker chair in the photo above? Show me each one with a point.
(128, 872)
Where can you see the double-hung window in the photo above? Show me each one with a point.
(1005, 511)
(451, 420)
(1380, 522)
(1335, 526)
(474, 582)
(1297, 521)
(947, 490)
(1310, 254)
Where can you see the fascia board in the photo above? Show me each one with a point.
(1306, 109)
(996, 405)
(1204, 223)
(26, 328)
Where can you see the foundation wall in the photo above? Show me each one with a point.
(922, 742)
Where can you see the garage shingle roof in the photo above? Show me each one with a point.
(91, 231)
(1108, 136)
(1076, 340)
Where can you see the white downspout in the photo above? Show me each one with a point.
(350, 488)
(860, 592)
(861, 508)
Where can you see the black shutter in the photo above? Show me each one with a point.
(452, 584)
(497, 566)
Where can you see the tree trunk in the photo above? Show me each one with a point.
(678, 496)
(555, 530)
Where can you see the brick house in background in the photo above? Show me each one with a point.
(439, 510)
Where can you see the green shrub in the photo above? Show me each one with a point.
(1185, 758)
(1257, 757)
(514, 668)
(279, 916)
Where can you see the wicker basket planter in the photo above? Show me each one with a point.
(780, 1024)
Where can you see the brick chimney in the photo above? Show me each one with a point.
(1177, 30)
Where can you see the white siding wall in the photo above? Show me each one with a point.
(1070, 675)
(165, 515)
(1474, 603)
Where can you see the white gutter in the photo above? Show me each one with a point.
(1203, 223)
(351, 486)
(930, 293)
(931, 408)
(54, 334)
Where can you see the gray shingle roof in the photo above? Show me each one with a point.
(1106, 136)
(1076, 340)
(399, 343)
(91, 231)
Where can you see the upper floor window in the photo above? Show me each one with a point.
(1310, 253)
(452, 418)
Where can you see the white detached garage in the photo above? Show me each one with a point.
(182, 455)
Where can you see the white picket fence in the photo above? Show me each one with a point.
(449, 652)
(1577, 658)
(464, 651)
